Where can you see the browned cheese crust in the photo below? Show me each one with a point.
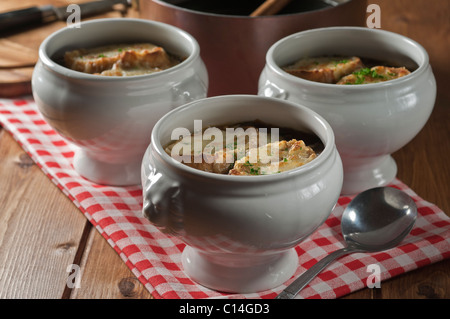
(291, 154)
(254, 157)
(120, 60)
(324, 69)
(374, 75)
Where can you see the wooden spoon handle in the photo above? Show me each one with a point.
(270, 7)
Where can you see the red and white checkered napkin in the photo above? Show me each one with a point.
(155, 257)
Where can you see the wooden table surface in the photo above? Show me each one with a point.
(42, 232)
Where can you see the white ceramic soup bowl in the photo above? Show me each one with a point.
(370, 121)
(240, 230)
(110, 118)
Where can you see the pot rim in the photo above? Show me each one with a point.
(276, 69)
(63, 71)
(329, 145)
(235, 16)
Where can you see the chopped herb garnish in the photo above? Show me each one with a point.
(361, 75)
(101, 56)
(285, 159)
(364, 71)
(340, 62)
(254, 171)
(375, 75)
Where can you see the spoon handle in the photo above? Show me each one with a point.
(298, 284)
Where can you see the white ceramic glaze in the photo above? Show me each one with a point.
(240, 230)
(111, 118)
(370, 121)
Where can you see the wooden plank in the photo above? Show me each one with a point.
(13, 54)
(431, 282)
(15, 82)
(104, 275)
(39, 228)
(428, 175)
(363, 294)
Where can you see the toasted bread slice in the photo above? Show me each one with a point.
(214, 154)
(324, 69)
(120, 60)
(374, 75)
(291, 154)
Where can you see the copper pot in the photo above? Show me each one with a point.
(233, 44)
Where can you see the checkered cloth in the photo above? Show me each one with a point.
(155, 257)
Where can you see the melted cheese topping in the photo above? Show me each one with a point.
(240, 149)
(120, 60)
(324, 69)
(343, 70)
(291, 154)
(216, 154)
(374, 75)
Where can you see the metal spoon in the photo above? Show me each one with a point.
(375, 220)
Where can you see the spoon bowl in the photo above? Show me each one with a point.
(378, 219)
(375, 220)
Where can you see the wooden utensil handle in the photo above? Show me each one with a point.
(270, 7)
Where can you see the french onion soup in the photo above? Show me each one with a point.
(345, 70)
(247, 148)
(120, 60)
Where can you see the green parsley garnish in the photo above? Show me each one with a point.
(101, 56)
(340, 62)
(375, 75)
(361, 75)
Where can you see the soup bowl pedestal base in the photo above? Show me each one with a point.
(114, 174)
(364, 173)
(237, 273)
